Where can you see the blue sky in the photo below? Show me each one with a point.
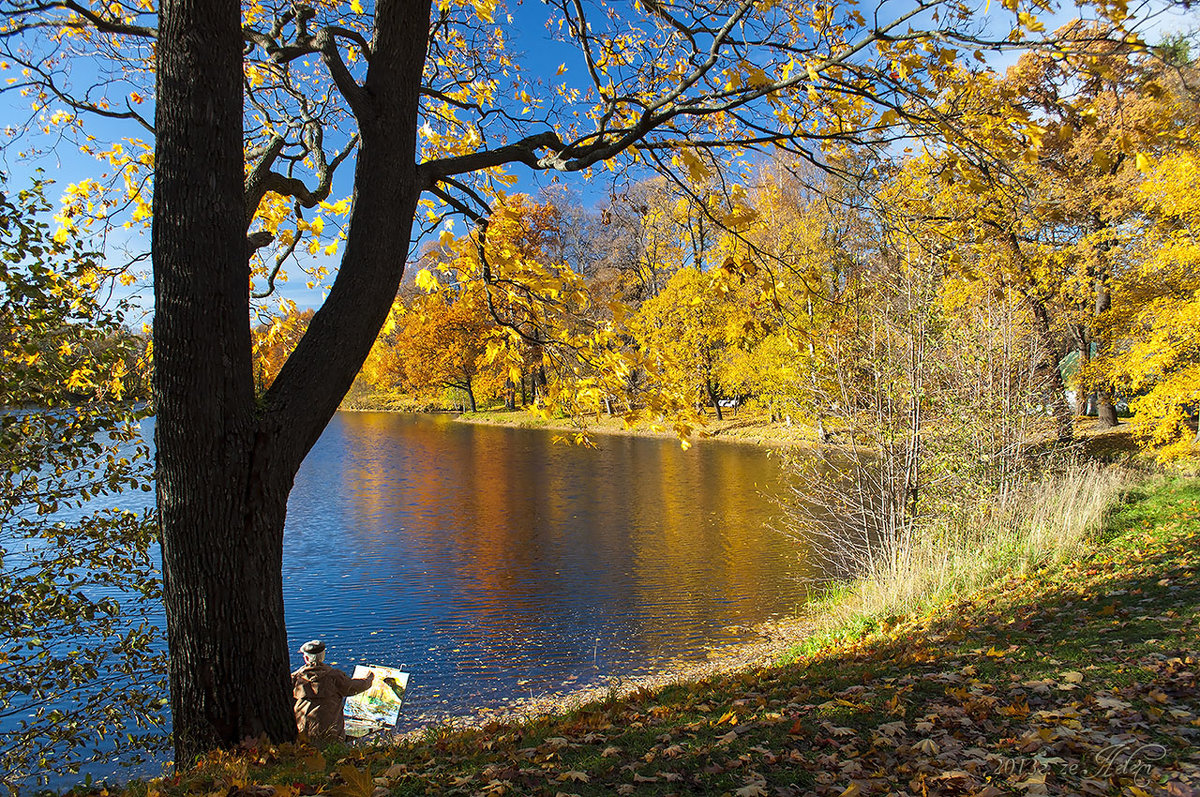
(534, 48)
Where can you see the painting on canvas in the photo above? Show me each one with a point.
(379, 706)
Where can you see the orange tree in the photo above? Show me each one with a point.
(257, 106)
(439, 341)
(274, 340)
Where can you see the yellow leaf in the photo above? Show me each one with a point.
(574, 776)
(927, 746)
(697, 169)
(358, 783)
(1030, 21)
(426, 281)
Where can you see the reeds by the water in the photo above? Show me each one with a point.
(1028, 526)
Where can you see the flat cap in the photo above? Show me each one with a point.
(313, 648)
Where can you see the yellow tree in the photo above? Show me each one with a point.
(692, 328)
(1154, 321)
(1103, 112)
(809, 244)
(257, 105)
(981, 231)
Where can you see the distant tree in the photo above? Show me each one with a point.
(1103, 116)
(274, 341)
(438, 340)
(692, 330)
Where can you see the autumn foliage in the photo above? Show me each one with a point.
(849, 221)
(1067, 270)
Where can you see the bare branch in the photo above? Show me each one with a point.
(261, 179)
(90, 19)
(47, 80)
(524, 151)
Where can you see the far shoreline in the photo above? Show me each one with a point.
(744, 429)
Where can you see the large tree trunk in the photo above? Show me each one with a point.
(1083, 348)
(1106, 411)
(226, 462)
(1049, 372)
(221, 512)
(713, 399)
(1050, 354)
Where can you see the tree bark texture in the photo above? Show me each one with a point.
(226, 462)
(1048, 370)
(1106, 410)
(221, 534)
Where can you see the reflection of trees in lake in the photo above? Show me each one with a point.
(637, 540)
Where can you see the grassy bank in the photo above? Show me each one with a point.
(1044, 525)
(739, 426)
(1066, 669)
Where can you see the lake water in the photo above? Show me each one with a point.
(496, 564)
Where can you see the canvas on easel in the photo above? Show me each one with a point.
(378, 707)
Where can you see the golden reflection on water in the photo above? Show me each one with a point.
(486, 557)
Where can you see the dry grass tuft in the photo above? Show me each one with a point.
(1026, 528)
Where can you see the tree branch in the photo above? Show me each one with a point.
(92, 19)
(261, 179)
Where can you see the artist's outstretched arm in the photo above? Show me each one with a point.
(355, 685)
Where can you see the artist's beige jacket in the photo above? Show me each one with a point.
(320, 692)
